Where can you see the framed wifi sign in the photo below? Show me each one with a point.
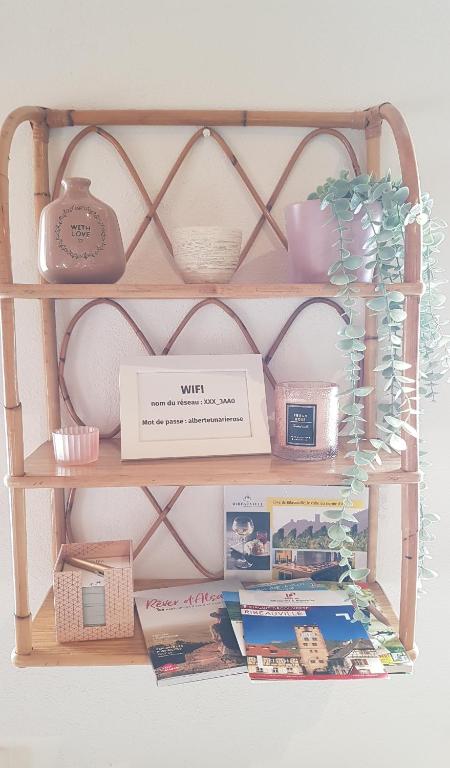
(196, 405)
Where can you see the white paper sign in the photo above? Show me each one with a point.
(206, 405)
(203, 405)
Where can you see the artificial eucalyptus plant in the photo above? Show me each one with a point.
(381, 207)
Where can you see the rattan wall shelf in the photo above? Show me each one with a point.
(35, 640)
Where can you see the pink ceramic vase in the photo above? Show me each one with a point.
(79, 238)
(311, 237)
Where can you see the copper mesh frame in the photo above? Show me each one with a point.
(44, 120)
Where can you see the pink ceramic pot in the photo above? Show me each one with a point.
(79, 238)
(311, 237)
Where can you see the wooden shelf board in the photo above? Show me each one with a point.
(191, 291)
(41, 471)
(48, 653)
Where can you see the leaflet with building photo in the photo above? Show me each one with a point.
(300, 542)
(295, 635)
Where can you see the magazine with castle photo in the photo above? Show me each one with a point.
(188, 632)
(295, 635)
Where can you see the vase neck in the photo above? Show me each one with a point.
(76, 184)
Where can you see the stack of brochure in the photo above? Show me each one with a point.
(294, 624)
(305, 632)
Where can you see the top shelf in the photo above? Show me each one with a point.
(190, 291)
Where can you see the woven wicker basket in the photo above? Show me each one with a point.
(207, 254)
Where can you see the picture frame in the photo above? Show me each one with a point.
(193, 405)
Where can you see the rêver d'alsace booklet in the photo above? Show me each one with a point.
(188, 632)
(305, 636)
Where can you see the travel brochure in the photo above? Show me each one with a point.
(188, 632)
(297, 635)
(384, 639)
(281, 532)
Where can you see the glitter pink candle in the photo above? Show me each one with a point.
(306, 420)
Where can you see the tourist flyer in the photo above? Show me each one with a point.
(233, 605)
(188, 632)
(299, 542)
(247, 535)
(294, 635)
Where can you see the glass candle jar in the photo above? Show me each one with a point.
(306, 420)
(76, 445)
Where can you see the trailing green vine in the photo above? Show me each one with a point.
(382, 209)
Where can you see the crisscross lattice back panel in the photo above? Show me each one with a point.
(153, 203)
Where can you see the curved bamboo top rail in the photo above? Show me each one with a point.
(58, 118)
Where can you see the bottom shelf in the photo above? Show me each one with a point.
(48, 653)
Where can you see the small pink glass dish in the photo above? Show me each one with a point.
(75, 445)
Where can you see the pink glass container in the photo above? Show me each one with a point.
(79, 238)
(306, 420)
(311, 235)
(76, 445)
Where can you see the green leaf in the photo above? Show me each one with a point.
(334, 268)
(386, 252)
(345, 344)
(401, 195)
(336, 532)
(342, 204)
(339, 279)
(396, 296)
(353, 262)
(398, 315)
(357, 486)
(409, 428)
(393, 421)
(363, 391)
(340, 188)
(377, 304)
(354, 331)
(400, 365)
(352, 409)
(359, 574)
(333, 514)
(397, 442)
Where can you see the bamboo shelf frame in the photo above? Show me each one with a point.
(35, 641)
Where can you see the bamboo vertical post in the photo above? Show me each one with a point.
(373, 136)
(48, 323)
(410, 457)
(12, 405)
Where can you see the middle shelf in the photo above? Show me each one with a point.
(41, 470)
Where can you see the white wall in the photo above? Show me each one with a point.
(209, 54)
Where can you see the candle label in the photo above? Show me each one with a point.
(300, 424)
